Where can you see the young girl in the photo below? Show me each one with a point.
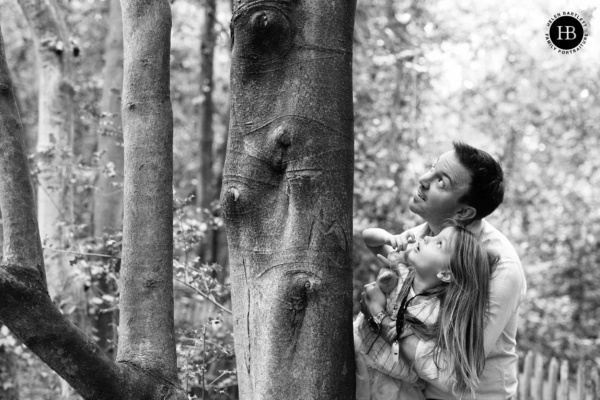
(442, 294)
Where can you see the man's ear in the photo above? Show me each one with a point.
(465, 214)
(445, 275)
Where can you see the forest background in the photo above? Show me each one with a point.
(425, 73)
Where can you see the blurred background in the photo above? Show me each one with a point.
(425, 73)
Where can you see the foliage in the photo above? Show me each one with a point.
(491, 80)
(536, 110)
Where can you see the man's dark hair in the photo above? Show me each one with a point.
(486, 191)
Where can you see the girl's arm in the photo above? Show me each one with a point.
(380, 241)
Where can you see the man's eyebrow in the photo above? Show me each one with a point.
(447, 177)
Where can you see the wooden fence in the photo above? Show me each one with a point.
(551, 381)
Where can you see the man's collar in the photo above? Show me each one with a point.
(475, 227)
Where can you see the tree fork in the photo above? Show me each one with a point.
(145, 369)
(287, 198)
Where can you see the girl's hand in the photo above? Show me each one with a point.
(407, 331)
(408, 346)
(373, 300)
(388, 330)
(400, 242)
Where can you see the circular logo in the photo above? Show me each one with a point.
(566, 32)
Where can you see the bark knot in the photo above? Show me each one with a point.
(150, 283)
(283, 136)
(233, 192)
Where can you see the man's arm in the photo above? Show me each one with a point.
(505, 297)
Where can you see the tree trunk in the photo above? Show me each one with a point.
(9, 389)
(108, 196)
(146, 308)
(287, 198)
(146, 367)
(205, 189)
(54, 151)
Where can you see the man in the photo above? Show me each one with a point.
(465, 185)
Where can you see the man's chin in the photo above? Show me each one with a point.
(416, 208)
(412, 206)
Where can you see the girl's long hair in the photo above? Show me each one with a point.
(458, 331)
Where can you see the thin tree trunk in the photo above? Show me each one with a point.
(108, 196)
(205, 191)
(220, 249)
(146, 368)
(54, 148)
(9, 389)
(146, 331)
(287, 199)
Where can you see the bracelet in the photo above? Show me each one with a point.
(375, 322)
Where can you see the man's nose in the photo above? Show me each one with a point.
(424, 180)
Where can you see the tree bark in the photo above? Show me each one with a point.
(287, 198)
(146, 332)
(108, 195)
(146, 364)
(54, 150)
(205, 191)
(9, 120)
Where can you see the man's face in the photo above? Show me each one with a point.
(437, 197)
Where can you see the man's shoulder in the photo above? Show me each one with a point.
(508, 267)
(495, 241)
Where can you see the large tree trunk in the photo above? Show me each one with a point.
(205, 191)
(54, 148)
(108, 195)
(287, 198)
(146, 367)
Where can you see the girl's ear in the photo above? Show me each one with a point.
(445, 276)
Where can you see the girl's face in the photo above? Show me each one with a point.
(431, 255)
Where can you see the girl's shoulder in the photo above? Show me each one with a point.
(426, 310)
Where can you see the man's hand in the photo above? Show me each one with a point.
(372, 300)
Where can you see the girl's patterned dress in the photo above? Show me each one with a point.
(380, 375)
